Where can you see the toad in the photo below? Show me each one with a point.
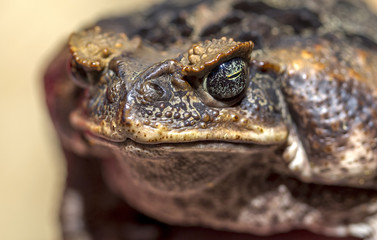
(251, 117)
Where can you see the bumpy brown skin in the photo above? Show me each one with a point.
(295, 149)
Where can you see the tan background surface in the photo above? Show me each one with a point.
(31, 166)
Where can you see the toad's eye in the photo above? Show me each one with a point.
(228, 80)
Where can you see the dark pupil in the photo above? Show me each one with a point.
(227, 80)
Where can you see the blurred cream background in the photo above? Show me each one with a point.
(31, 164)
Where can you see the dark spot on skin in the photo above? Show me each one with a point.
(253, 36)
(170, 29)
(206, 204)
(254, 7)
(232, 19)
(286, 207)
(235, 117)
(325, 170)
(182, 25)
(258, 223)
(224, 215)
(158, 114)
(183, 106)
(299, 19)
(274, 219)
(168, 114)
(211, 30)
(363, 159)
(177, 115)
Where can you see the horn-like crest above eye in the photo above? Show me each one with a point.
(93, 49)
(204, 56)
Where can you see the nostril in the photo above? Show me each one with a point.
(152, 92)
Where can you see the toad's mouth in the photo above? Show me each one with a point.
(163, 137)
(208, 146)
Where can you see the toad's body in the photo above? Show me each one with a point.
(247, 116)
